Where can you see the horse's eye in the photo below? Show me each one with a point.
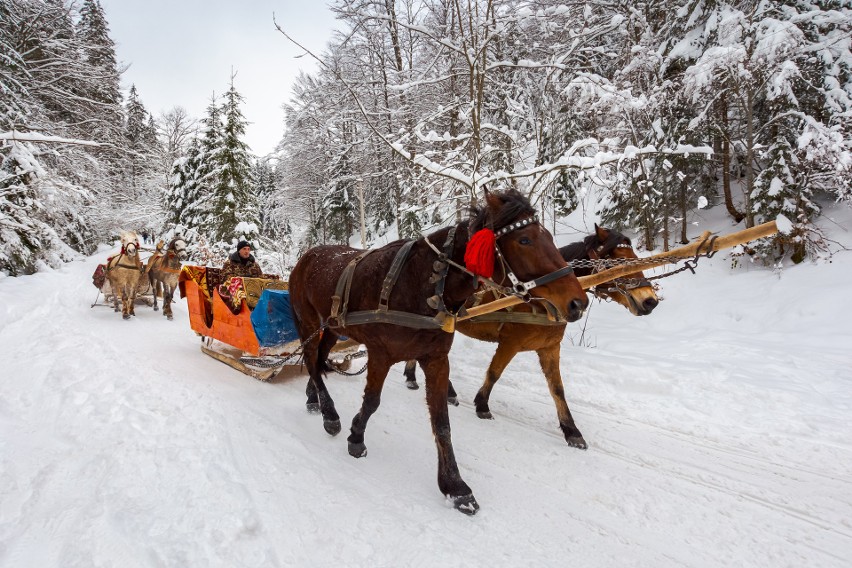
(525, 241)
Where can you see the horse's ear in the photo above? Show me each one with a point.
(492, 200)
(602, 234)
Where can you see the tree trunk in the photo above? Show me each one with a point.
(726, 159)
(683, 211)
(749, 165)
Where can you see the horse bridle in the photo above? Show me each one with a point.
(125, 254)
(601, 253)
(175, 251)
(519, 288)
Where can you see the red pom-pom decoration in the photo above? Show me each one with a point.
(479, 254)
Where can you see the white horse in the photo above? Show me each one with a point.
(123, 271)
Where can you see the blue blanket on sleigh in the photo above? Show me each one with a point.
(272, 320)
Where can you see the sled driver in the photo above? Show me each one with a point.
(241, 263)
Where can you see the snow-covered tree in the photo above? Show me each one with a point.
(233, 201)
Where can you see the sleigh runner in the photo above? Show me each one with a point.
(246, 322)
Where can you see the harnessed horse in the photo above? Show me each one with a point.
(123, 272)
(422, 286)
(163, 272)
(523, 330)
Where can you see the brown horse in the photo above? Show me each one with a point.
(525, 250)
(163, 271)
(545, 338)
(123, 272)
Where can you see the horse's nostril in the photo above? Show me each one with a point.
(575, 309)
(650, 303)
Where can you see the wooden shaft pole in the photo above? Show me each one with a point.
(700, 246)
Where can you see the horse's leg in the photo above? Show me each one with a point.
(153, 282)
(168, 293)
(114, 291)
(410, 376)
(502, 357)
(133, 288)
(315, 360)
(549, 359)
(377, 371)
(125, 304)
(411, 382)
(437, 371)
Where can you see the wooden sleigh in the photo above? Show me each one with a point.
(228, 334)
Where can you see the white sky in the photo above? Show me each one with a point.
(181, 51)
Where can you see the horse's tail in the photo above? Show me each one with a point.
(296, 321)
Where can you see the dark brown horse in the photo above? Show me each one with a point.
(545, 338)
(163, 271)
(526, 250)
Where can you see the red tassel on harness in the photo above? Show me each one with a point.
(479, 254)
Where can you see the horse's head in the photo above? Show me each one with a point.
(129, 244)
(633, 291)
(526, 254)
(178, 248)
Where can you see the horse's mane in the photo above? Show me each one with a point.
(575, 251)
(515, 204)
(578, 250)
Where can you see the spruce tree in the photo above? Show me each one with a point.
(185, 202)
(137, 140)
(233, 201)
(103, 86)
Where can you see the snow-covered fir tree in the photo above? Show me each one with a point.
(233, 200)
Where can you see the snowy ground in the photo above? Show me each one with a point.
(718, 430)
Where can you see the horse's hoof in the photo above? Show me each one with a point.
(358, 450)
(454, 400)
(577, 442)
(466, 504)
(170, 317)
(312, 407)
(412, 385)
(126, 316)
(485, 415)
(331, 426)
(116, 310)
(156, 309)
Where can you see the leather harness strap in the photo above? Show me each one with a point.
(344, 283)
(137, 266)
(383, 314)
(393, 274)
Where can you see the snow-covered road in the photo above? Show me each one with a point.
(718, 431)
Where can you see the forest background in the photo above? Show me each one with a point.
(656, 110)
